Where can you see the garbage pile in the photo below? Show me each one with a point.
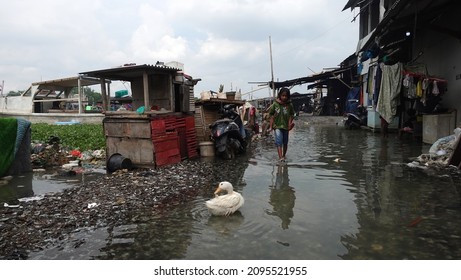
(52, 154)
(439, 154)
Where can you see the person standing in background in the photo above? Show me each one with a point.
(265, 122)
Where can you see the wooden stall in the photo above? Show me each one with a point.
(159, 129)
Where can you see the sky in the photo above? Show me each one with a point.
(224, 42)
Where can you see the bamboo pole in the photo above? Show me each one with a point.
(272, 68)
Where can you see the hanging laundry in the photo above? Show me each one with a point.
(409, 87)
(378, 77)
(391, 83)
(419, 89)
(424, 89)
(370, 77)
(425, 84)
(435, 88)
(406, 81)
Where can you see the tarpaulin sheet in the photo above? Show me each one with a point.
(8, 133)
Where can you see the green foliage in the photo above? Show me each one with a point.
(79, 136)
(92, 95)
(15, 93)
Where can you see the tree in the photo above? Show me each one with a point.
(91, 95)
(14, 93)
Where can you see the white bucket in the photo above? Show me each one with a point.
(206, 149)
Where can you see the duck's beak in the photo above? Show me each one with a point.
(217, 191)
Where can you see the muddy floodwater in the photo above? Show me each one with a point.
(343, 194)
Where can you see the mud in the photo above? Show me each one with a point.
(114, 199)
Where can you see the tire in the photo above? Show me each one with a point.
(228, 152)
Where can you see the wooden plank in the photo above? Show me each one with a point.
(199, 123)
(139, 151)
(129, 128)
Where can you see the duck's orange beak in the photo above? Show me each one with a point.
(217, 191)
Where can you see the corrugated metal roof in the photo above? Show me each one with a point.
(130, 71)
(67, 82)
(353, 3)
(310, 79)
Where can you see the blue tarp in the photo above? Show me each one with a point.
(352, 100)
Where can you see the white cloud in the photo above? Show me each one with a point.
(221, 42)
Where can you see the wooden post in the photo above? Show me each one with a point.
(79, 90)
(108, 94)
(104, 94)
(145, 83)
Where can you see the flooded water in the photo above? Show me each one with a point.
(37, 184)
(343, 194)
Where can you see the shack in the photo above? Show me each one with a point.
(159, 127)
(208, 111)
(58, 100)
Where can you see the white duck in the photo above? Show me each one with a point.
(227, 204)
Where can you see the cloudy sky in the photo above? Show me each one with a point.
(220, 41)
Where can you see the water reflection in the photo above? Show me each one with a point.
(226, 225)
(343, 195)
(403, 213)
(414, 221)
(282, 196)
(40, 183)
(164, 236)
(21, 187)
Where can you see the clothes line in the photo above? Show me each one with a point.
(423, 76)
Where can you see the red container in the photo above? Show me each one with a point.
(167, 142)
(167, 157)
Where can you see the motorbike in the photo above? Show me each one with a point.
(229, 135)
(356, 120)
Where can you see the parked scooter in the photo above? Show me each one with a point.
(229, 134)
(354, 121)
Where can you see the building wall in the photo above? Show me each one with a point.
(442, 56)
(160, 92)
(137, 92)
(437, 52)
(20, 104)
